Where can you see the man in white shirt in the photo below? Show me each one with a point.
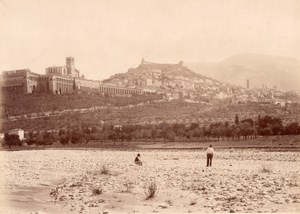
(209, 155)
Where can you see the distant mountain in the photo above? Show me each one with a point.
(267, 70)
(160, 76)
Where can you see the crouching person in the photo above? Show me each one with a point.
(137, 160)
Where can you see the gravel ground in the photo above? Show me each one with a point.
(92, 181)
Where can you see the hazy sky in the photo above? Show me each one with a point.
(109, 36)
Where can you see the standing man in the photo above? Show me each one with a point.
(209, 155)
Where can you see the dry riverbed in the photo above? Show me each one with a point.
(93, 181)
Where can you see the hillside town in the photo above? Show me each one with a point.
(174, 81)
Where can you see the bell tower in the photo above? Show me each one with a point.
(70, 64)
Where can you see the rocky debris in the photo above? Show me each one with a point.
(38, 212)
(241, 187)
(163, 206)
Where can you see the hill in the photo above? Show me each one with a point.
(283, 72)
(58, 112)
(160, 76)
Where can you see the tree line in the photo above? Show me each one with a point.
(163, 132)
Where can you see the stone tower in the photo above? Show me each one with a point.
(70, 64)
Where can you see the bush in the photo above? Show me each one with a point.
(104, 170)
(152, 189)
(128, 186)
(97, 191)
(265, 169)
(193, 201)
(64, 139)
(12, 140)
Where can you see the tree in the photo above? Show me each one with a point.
(39, 139)
(179, 130)
(249, 120)
(228, 132)
(268, 125)
(113, 135)
(266, 131)
(49, 138)
(146, 133)
(277, 128)
(246, 129)
(12, 140)
(198, 132)
(77, 136)
(189, 134)
(194, 126)
(61, 132)
(64, 139)
(154, 134)
(216, 132)
(206, 131)
(168, 135)
(237, 120)
(292, 128)
(236, 132)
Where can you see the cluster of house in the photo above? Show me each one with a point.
(173, 80)
(56, 80)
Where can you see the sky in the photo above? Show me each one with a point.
(109, 36)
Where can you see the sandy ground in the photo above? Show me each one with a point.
(73, 181)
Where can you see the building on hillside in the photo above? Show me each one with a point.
(55, 84)
(19, 132)
(66, 79)
(66, 70)
(56, 70)
(108, 89)
(21, 81)
(60, 80)
(82, 84)
(149, 90)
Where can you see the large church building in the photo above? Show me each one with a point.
(56, 80)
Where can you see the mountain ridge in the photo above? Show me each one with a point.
(260, 69)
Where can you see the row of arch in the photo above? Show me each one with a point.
(112, 90)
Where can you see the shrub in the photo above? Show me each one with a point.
(128, 186)
(11, 140)
(294, 181)
(152, 189)
(104, 170)
(97, 191)
(265, 169)
(170, 202)
(64, 139)
(193, 201)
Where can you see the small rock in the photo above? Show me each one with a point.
(163, 206)
(105, 212)
(38, 212)
(62, 198)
